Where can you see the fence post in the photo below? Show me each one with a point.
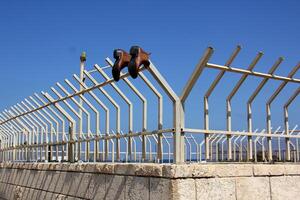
(286, 123)
(82, 66)
(189, 86)
(178, 145)
(268, 108)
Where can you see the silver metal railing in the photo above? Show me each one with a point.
(265, 138)
(91, 118)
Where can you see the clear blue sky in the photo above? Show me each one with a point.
(41, 42)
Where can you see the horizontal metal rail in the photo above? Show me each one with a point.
(223, 132)
(252, 73)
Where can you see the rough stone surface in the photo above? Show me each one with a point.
(285, 187)
(216, 188)
(137, 188)
(96, 188)
(248, 188)
(160, 188)
(149, 181)
(115, 187)
(207, 170)
(268, 170)
(292, 169)
(183, 189)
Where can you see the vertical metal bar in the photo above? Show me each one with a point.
(97, 118)
(62, 127)
(47, 133)
(130, 105)
(209, 92)
(286, 122)
(231, 95)
(9, 135)
(72, 126)
(70, 129)
(197, 72)
(17, 122)
(144, 101)
(75, 112)
(39, 128)
(82, 67)
(178, 137)
(268, 108)
(49, 121)
(160, 114)
(94, 96)
(107, 124)
(13, 126)
(249, 105)
(189, 86)
(48, 147)
(6, 142)
(88, 120)
(30, 136)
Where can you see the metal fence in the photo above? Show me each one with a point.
(93, 119)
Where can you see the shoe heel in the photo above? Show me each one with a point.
(116, 54)
(132, 69)
(116, 72)
(134, 51)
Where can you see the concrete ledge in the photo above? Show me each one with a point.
(165, 170)
(149, 181)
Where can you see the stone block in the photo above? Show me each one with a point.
(22, 175)
(33, 179)
(47, 180)
(292, 169)
(248, 188)
(215, 188)
(206, 170)
(115, 187)
(183, 189)
(67, 181)
(28, 194)
(41, 175)
(137, 188)
(83, 185)
(42, 194)
(61, 197)
(285, 187)
(160, 188)
(125, 169)
(54, 181)
(60, 183)
(75, 182)
(34, 194)
(176, 171)
(152, 170)
(233, 170)
(89, 168)
(50, 196)
(7, 173)
(26, 177)
(15, 192)
(13, 176)
(96, 188)
(104, 168)
(268, 170)
(63, 167)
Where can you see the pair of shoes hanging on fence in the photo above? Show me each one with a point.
(133, 61)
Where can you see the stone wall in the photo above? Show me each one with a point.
(149, 181)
